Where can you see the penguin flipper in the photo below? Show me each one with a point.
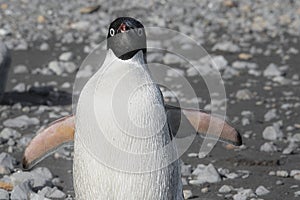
(58, 134)
(205, 124)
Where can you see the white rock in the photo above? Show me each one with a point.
(271, 114)
(219, 62)
(198, 69)
(244, 94)
(4, 194)
(226, 46)
(279, 182)
(69, 67)
(243, 194)
(56, 67)
(297, 194)
(282, 173)
(230, 72)
(175, 73)
(205, 174)
(22, 190)
(66, 85)
(81, 25)
(204, 190)
(43, 172)
(44, 46)
(290, 148)
(296, 137)
(244, 65)
(268, 147)
(272, 173)
(66, 56)
(8, 133)
(40, 177)
(272, 70)
(4, 32)
(57, 182)
(4, 170)
(154, 57)
(294, 172)
(232, 175)
(225, 189)
(186, 170)
(297, 177)
(34, 196)
(171, 59)
(187, 194)
(7, 160)
(271, 133)
(22, 121)
(21, 87)
(52, 193)
(261, 190)
(20, 69)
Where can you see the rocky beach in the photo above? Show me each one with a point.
(254, 44)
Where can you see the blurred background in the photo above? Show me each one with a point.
(255, 45)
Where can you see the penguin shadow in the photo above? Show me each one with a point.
(37, 96)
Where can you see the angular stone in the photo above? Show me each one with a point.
(205, 174)
(244, 94)
(261, 190)
(271, 114)
(290, 148)
(282, 173)
(4, 194)
(243, 194)
(56, 67)
(225, 189)
(219, 62)
(268, 147)
(187, 194)
(20, 69)
(22, 121)
(40, 176)
(52, 193)
(226, 46)
(7, 160)
(8, 133)
(272, 70)
(66, 56)
(271, 133)
(22, 190)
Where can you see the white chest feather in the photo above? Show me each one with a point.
(121, 137)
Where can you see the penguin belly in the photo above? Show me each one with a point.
(96, 179)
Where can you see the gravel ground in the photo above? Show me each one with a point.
(256, 46)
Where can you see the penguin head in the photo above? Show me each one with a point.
(126, 36)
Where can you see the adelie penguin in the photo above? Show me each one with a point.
(123, 81)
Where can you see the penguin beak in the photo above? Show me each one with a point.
(48, 140)
(122, 28)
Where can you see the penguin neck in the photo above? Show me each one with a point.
(138, 58)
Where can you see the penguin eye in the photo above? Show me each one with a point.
(140, 32)
(112, 32)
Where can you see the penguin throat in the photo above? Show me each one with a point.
(131, 54)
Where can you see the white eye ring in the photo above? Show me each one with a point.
(140, 32)
(112, 32)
